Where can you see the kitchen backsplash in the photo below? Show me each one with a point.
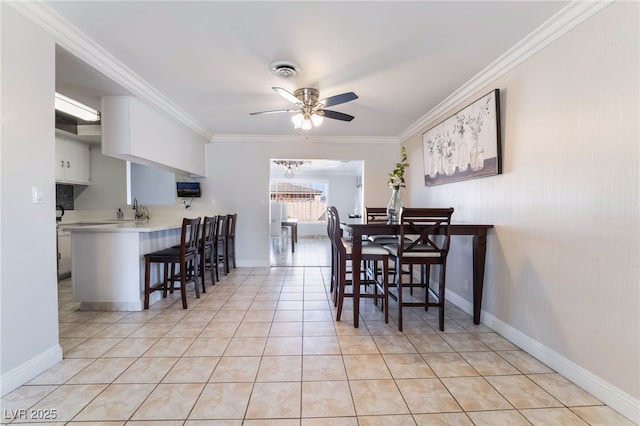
(64, 196)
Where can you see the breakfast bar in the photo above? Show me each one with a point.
(108, 262)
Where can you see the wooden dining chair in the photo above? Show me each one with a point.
(370, 252)
(379, 215)
(184, 257)
(431, 236)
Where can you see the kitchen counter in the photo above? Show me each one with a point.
(107, 263)
(120, 226)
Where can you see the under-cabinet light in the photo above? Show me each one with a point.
(75, 108)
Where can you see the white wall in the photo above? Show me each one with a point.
(342, 194)
(28, 288)
(151, 185)
(108, 189)
(562, 262)
(239, 181)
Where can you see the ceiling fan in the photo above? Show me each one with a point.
(311, 111)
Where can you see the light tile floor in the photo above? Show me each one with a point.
(262, 347)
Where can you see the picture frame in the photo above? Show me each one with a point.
(466, 145)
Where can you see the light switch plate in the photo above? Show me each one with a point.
(38, 194)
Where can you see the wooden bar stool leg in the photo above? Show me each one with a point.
(147, 267)
(201, 273)
(385, 287)
(196, 274)
(399, 290)
(427, 281)
(340, 290)
(441, 297)
(165, 280)
(171, 277)
(183, 286)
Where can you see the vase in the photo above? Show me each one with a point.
(433, 165)
(440, 163)
(463, 156)
(450, 165)
(476, 155)
(394, 208)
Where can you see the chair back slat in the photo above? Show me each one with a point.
(208, 230)
(189, 236)
(428, 228)
(222, 226)
(231, 225)
(376, 214)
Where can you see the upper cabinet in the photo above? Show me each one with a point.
(72, 161)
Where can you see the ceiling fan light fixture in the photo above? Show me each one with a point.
(285, 69)
(306, 124)
(316, 119)
(311, 111)
(297, 120)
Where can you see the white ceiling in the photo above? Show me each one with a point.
(211, 59)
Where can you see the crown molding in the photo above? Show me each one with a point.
(552, 29)
(305, 139)
(76, 42)
(73, 40)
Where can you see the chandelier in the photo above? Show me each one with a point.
(289, 166)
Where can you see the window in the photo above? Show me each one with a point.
(305, 201)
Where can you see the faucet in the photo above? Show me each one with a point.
(145, 212)
(140, 209)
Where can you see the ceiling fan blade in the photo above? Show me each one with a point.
(338, 99)
(287, 95)
(337, 115)
(274, 111)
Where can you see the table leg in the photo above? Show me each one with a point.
(294, 237)
(479, 257)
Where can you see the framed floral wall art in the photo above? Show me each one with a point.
(466, 145)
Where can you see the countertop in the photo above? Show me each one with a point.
(121, 226)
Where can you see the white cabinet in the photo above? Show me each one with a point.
(64, 253)
(72, 161)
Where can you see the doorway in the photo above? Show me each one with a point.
(300, 191)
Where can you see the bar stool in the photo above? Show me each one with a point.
(370, 252)
(431, 225)
(184, 256)
(220, 246)
(207, 242)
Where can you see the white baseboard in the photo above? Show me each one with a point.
(615, 398)
(20, 375)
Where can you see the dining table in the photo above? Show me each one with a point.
(292, 224)
(359, 229)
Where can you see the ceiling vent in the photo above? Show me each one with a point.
(285, 69)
